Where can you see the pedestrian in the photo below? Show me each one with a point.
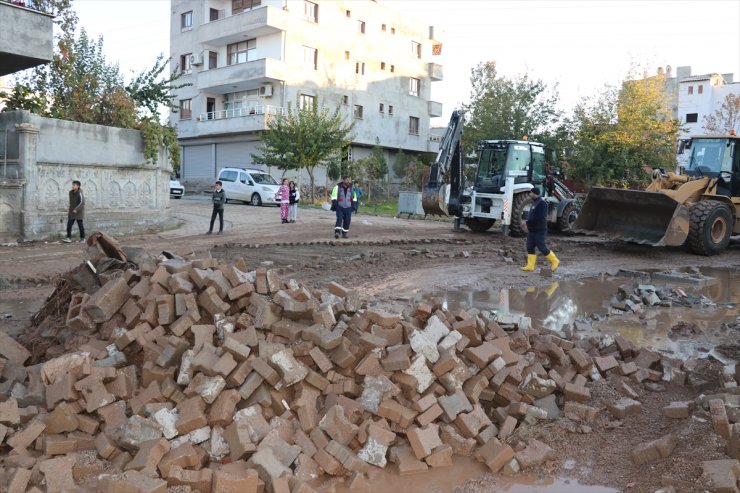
(76, 211)
(536, 225)
(295, 197)
(218, 197)
(359, 193)
(283, 195)
(343, 201)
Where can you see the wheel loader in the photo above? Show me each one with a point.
(698, 207)
(507, 171)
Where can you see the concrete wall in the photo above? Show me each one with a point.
(123, 193)
(26, 38)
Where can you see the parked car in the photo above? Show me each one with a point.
(176, 189)
(250, 186)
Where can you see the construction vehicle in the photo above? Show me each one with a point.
(698, 207)
(507, 171)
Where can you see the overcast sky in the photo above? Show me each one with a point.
(579, 44)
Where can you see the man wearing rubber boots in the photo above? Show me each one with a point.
(536, 225)
(344, 202)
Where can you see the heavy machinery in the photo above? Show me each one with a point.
(698, 207)
(507, 171)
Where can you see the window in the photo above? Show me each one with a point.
(361, 26)
(382, 65)
(346, 55)
(414, 85)
(381, 107)
(214, 15)
(701, 89)
(348, 13)
(310, 57)
(244, 51)
(416, 49)
(358, 112)
(186, 21)
(345, 100)
(186, 112)
(239, 6)
(691, 89)
(360, 68)
(390, 110)
(228, 176)
(413, 125)
(382, 27)
(310, 11)
(393, 68)
(692, 117)
(306, 101)
(212, 60)
(185, 66)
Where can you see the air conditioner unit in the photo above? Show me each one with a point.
(196, 59)
(266, 90)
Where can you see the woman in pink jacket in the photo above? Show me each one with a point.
(283, 195)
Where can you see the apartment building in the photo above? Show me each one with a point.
(248, 59)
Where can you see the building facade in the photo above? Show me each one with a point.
(249, 59)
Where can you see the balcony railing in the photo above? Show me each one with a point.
(240, 112)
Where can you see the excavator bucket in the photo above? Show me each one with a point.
(435, 200)
(648, 218)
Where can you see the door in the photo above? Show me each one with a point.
(246, 185)
(210, 107)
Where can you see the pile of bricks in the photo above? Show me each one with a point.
(202, 375)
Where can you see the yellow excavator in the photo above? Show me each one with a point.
(698, 207)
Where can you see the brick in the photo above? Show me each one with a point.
(407, 461)
(235, 345)
(268, 465)
(19, 482)
(494, 455)
(191, 415)
(328, 463)
(58, 445)
(58, 473)
(576, 393)
(22, 439)
(720, 422)
(507, 428)
(653, 450)
(429, 415)
(384, 319)
(396, 412)
(455, 404)
(239, 438)
(200, 480)
(440, 457)
(627, 369)
(132, 482)
(337, 426)
(397, 359)
(346, 457)
(107, 300)
(460, 445)
(471, 423)
(624, 407)
(580, 412)
(235, 479)
(291, 370)
(9, 414)
(149, 454)
(483, 354)
(534, 454)
(105, 446)
(266, 371)
(721, 475)
(337, 289)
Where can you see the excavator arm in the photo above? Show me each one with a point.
(441, 197)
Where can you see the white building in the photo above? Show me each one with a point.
(248, 59)
(700, 96)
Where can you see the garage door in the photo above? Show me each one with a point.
(197, 162)
(236, 154)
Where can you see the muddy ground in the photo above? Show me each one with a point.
(393, 263)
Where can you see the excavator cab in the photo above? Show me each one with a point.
(716, 157)
(498, 159)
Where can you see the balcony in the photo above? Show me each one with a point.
(435, 109)
(241, 76)
(436, 72)
(433, 143)
(26, 38)
(250, 24)
(250, 119)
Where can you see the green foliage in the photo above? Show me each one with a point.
(622, 133)
(344, 166)
(80, 85)
(507, 108)
(375, 166)
(304, 137)
(726, 118)
(411, 169)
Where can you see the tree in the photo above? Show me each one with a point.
(345, 166)
(305, 136)
(80, 85)
(624, 131)
(507, 108)
(410, 169)
(726, 118)
(375, 166)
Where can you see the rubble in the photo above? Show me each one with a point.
(188, 364)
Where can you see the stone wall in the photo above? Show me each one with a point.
(123, 193)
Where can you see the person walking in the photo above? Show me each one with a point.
(536, 225)
(218, 197)
(343, 201)
(359, 193)
(283, 195)
(76, 211)
(294, 197)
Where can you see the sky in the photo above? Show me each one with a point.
(580, 45)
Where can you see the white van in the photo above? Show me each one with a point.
(251, 186)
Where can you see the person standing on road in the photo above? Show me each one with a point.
(536, 225)
(283, 195)
(218, 197)
(343, 201)
(294, 197)
(76, 211)
(359, 193)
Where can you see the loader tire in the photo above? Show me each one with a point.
(568, 218)
(479, 225)
(517, 215)
(710, 227)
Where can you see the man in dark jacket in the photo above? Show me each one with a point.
(218, 197)
(537, 232)
(343, 202)
(76, 211)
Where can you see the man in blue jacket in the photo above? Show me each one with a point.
(537, 232)
(344, 202)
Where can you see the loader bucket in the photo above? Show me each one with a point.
(434, 200)
(648, 218)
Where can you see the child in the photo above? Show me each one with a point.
(283, 195)
(218, 197)
(293, 202)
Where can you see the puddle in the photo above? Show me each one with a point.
(557, 306)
